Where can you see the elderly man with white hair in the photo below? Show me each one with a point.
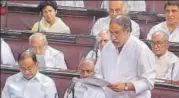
(102, 39)
(46, 55)
(115, 8)
(164, 58)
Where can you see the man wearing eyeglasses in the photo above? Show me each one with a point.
(127, 63)
(29, 83)
(46, 55)
(116, 7)
(171, 25)
(164, 58)
(83, 90)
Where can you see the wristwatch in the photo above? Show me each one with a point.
(126, 87)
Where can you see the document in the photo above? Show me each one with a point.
(94, 81)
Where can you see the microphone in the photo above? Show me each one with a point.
(72, 85)
(95, 49)
(172, 73)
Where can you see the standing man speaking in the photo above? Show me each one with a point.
(127, 63)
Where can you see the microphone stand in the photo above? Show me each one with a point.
(172, 73)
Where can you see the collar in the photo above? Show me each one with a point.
(36, 77)
(163, 56)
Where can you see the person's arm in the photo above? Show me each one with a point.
(5, 92)
(7, 56)
(51, 90)
(146, 71)
(60, 61)
(135, 29)
(96, 28)
(35, 27)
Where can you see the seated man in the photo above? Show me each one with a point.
(49, 21)
(171, 25)
(29, 83)
(87, 69)
(7, 57)
(115, 8)
(71, 3)
(164, 58)
(131, 5)
(46, 55)
(102, 39)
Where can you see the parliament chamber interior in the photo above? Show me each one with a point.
(18, 18)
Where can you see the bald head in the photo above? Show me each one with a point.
(117, 8)
(87, 68)
(160, 43)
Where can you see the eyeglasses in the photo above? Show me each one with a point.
(29, 69)
(158, 43)
(115, 34)
(39, 48)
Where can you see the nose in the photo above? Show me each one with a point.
(112, 37)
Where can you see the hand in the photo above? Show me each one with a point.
(118, 87)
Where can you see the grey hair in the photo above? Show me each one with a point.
(123, 21)
(162, 32)
(125, 9)
(106, 31)
(86, 60)
(38, 36)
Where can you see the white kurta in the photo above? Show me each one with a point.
(58, 27)
(86, 91)
(102, 24)
(39, 86)
(6, 54)
(173, 36)
(164, 63)
(52, 58)
(71, 3)
(135, 64)
(131, 5)
(173, 72)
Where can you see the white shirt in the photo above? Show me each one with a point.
(71, 3)
(92, 54)
(134, 64)
(40, 86)
(85, 91)
(164, 63)
(102, 24)
(131, 5)
(52, 58)
(173, 36)
(6, 54)
(58, 27)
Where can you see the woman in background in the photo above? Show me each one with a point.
(49, 21)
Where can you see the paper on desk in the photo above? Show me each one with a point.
(95, 82)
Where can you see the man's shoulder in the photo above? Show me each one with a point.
(103, 19)
(173, 56)
(134, 23)
(54, 51)
(159, 25)
(45, 79)
(13, 78)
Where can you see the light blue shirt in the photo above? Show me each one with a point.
(40, 86)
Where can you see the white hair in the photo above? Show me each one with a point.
(104, 31)
(125, 9)
(38, 36)
(166, 35)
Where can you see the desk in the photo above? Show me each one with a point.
(63, 79)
